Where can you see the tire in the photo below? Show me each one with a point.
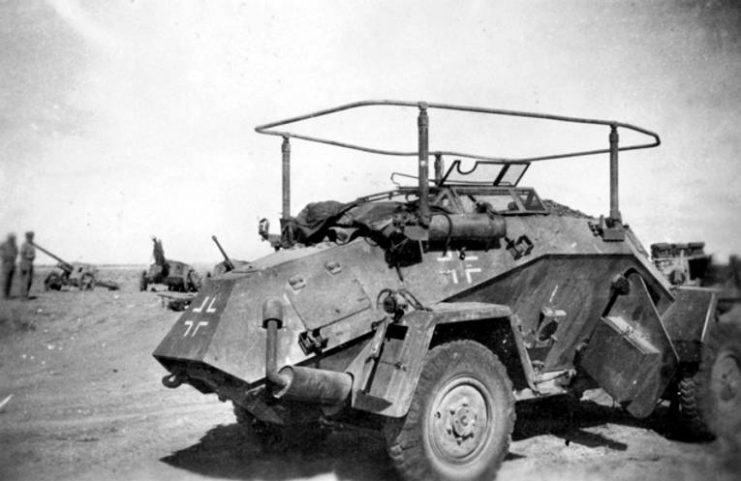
(689, 419)
(53, 282)
(87, 282)
(720, 382)
(460, 419)
(191, 282)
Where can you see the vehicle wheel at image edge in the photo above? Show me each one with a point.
(689, 419)
(720, 382)
(460, 419)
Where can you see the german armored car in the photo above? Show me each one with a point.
(428, 311)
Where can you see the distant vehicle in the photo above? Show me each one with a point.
(681, 264)
(687, 264)
(80, 275)
(428, 311)
(174, 275)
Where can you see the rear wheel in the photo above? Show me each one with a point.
(689, 420)
(460, 419)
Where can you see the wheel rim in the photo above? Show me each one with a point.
(459, 421)
(726, 382)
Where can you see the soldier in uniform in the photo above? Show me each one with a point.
(28, 254)
(8, 253)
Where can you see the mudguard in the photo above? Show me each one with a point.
(689, 320)
(387, 385)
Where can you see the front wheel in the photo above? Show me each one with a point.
(460, 419)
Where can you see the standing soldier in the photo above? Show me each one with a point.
(8, 253)
(28, 254)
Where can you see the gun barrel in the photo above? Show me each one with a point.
(227, 262)
(62, 263)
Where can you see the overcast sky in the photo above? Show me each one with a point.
(126, 119)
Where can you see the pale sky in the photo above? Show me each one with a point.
(126, 119)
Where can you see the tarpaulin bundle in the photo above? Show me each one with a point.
(342, 222)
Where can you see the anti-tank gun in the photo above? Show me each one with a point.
(428, 311)
(80, 275)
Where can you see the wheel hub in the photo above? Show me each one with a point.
(459, 422)
(463, 421)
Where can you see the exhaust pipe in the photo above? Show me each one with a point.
(315, 385)
(297, 382)
(272, 320)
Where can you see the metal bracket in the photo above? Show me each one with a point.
(523, 246)
(312, 342)
(610, 230)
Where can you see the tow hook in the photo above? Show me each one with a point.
(173, 380)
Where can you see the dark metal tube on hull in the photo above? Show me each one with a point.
(315, 385)
(468, 227)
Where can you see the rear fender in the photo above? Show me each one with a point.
(386, 378)
(689, 320)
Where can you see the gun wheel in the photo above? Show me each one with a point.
(87, 282)
(460, 419)
(192, 283)
(53, 282)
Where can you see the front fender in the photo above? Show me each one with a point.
(386, 382)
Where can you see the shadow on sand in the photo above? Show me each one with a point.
(567, 418)
(226, 451)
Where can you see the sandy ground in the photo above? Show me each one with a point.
(87, 403)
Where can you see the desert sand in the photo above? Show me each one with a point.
(86, 403)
